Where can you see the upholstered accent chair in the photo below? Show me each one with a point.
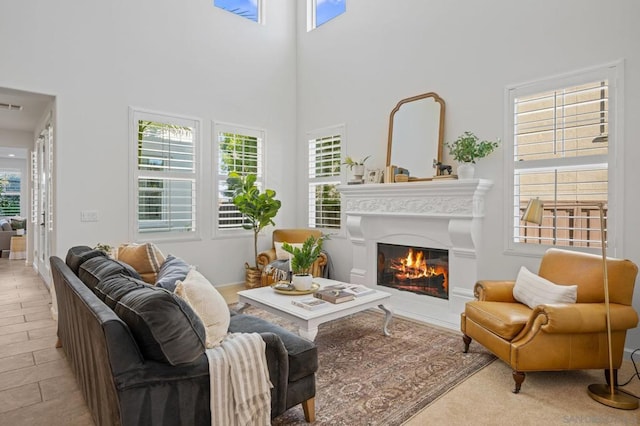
(291, 236)
(556, 336)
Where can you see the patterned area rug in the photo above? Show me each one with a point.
(365, 378)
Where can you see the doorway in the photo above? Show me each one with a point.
(27, 122)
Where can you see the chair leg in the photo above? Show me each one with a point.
(518, 377)
(467, 341)
(58, 343)
(309, 408)
(607, 377)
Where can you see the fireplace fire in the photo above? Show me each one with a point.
(414, 269)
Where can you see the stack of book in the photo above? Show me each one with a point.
(342, 292)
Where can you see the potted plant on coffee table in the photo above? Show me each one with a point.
(302, 259)
(467, 149)
(258, 209)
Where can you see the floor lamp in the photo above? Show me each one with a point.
(603, 393)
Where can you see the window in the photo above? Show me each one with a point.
(563, 139)
(10, 194)
(250, 9)
(239, 150)
(165, 175)
(325, 155)
(322, 11)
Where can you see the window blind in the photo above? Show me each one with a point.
(166, 176)
(324, 177)
(240, 150)
(561, 157)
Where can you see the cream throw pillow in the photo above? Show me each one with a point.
(533, 290)
(145, 258)
(280, 253)
(207, 303)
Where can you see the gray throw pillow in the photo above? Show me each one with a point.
(173, 269)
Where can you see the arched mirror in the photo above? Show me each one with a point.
(416, 131)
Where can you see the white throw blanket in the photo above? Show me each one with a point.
(240, 385)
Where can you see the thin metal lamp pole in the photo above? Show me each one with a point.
(609, 395)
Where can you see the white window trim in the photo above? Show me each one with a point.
(340, 129)
(614, 72)
(217, 127)
(133, 175)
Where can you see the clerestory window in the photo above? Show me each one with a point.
(249, 9)
(322, 11)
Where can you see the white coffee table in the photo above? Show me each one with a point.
(308, 321)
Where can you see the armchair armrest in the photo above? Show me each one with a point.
(266, 257)
(494, 291)
(586, 317)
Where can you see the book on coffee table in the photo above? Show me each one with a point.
(333, 295)
(356, 289)
(310, 303)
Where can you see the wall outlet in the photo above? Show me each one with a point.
(89, 216)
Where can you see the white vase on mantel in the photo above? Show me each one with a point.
(466, 170)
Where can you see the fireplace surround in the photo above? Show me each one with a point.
(443, 214)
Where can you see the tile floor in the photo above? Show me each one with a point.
(37, 386)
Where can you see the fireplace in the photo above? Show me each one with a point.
(443, 217)
(414, 269)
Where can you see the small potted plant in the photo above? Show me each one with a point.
(467, 149)
(302, 259)
(356, 167)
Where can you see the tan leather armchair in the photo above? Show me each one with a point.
(291, 236)
(555, 336)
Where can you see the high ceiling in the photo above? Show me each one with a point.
(33, 107)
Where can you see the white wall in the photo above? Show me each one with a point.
(355, 69)
(186, 58)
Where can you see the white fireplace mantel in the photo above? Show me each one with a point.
(443, 214)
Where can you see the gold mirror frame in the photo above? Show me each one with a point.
(438, 151)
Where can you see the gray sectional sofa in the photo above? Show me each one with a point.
(119, 336)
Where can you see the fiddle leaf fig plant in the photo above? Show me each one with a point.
(259, 208)
(468, 148)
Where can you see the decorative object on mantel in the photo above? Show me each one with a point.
(374, 176)
(467, 149)
(357, 168)
(259, 209)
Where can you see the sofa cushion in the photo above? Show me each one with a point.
(100, 268)
(145, 258)
(503, 319)
(164, 326)
(173, 269)
(533, 290)
(5, 225)
(303, 354)
(111, 289)
(77, 255)
(208, 303)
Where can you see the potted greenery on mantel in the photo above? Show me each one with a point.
(259, 209)
(467, 149)
(302, 259)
